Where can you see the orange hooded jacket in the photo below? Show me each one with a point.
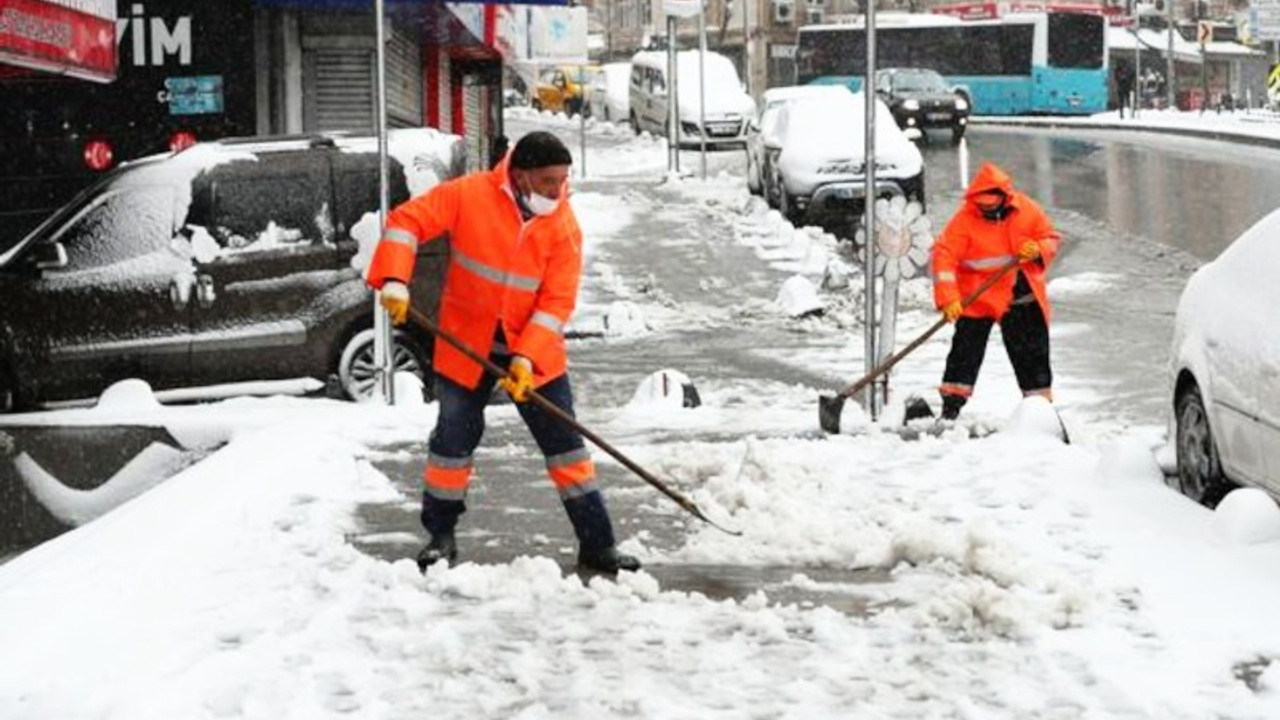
(971, 248)
(502, 268)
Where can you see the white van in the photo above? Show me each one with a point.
(728, 106)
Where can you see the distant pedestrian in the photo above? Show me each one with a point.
(1124, 86)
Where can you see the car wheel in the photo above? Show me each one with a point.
(957, 133)
(1199, 467)
(357, 371)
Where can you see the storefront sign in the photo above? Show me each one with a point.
(68, 37)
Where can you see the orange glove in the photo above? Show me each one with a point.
(519, 380)
(395, 298)
(951, 311)
(1029, 251)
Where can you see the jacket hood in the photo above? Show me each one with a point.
(990, 177)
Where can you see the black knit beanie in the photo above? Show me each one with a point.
(539, 149)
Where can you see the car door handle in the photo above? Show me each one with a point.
(205, 292)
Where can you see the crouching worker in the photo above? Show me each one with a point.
(994, 226)
(512, 282)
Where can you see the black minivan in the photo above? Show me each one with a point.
(231, 261)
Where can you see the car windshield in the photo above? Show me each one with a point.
(919, 81)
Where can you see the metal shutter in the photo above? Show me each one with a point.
(404, 80)
(473, 122)
(342, 90)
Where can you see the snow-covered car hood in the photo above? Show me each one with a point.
(823, 140)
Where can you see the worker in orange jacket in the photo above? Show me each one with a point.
(514, 266)
(995, 225)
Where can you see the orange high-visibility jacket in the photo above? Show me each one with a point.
(971, 248)
(501, 269)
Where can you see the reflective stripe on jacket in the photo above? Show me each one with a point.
(971, 248)
(501, 269)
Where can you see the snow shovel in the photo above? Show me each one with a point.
(830, 406)
(688, 505)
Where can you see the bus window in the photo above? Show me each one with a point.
(1076, 41)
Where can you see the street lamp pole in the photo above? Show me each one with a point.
(1169, 64)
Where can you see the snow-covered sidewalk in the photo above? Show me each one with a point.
(1253, 126)
(1009, 577)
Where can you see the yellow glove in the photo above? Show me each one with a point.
(519, 380)
(395, 298)
(951, 311)
(1029, 251)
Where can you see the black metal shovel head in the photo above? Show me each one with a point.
(829, 409)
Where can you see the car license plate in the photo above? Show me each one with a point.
(938, 116)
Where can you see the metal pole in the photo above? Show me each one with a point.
(702, 89)
(673, 118)
(1169, 64)
(869, 203)
(382, 337)
(582, 117)
(746, 45)
(1136, 85)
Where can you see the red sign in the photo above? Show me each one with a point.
(67, 37)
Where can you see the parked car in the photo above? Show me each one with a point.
(817, 155)
(1225, 370)
(921, 100)
(760, 128)
(230, 261)
(727, 108)
(560, 88)
(608, 96)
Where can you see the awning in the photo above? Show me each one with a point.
(1120, 39)
(66, 37)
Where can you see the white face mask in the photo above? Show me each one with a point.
(540, 204)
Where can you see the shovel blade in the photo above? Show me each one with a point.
(829, 409)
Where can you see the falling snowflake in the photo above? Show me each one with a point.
(903, 240)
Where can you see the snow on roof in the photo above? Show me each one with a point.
(1122, 39)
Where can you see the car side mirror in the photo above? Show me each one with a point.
(49, 255)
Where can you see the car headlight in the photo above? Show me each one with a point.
(962, 104)
(911, 104)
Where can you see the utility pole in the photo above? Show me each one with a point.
(746, 45)
(1168, 76)
(869, 211)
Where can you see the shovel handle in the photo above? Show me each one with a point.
(893, 359)
(493, 369)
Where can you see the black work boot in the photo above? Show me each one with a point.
(596, 547)
(443, 546)
(607, 560)
(439, 518)
(951, 405)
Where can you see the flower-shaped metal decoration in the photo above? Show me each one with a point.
(903, 239)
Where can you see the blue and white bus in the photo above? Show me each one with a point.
(1018, 64)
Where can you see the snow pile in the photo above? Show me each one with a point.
(1247, 516)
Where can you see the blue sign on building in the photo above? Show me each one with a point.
(194, 95)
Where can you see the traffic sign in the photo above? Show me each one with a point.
(1204, 33)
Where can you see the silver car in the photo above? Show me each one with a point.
(817, 157)
(760, 130)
